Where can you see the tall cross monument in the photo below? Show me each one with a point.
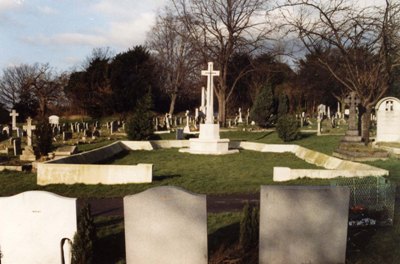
(29, 128)
(210, 73)
(14, 115)
(352, 101)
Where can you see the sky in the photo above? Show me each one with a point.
(64, 32)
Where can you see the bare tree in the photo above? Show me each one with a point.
(13, 83)
(175, 53)
(365, 38)
(221, 28)
(46, 86)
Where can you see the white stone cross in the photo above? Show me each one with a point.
(29, 128)
(14, 115)
(210, 73)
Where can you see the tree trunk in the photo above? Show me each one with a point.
(366, 121)
(172, 104)
(222, 109)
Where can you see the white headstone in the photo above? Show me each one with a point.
(165, 225)
(54, 120)
(240, 119)
(303, 224)
(32, 226)
(388, 120)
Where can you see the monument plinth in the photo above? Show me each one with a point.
(209, 141)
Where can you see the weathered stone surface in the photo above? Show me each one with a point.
(32, 226)
(165, 225)
(388, 120)
(303, 224)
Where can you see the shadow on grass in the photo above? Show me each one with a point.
(110, 249)
(265, 135)
(165, 177)
(226, 237)
(306, 135)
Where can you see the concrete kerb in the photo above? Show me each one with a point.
(55, 171)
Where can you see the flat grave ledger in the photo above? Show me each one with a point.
(35, 227)
(175, 224)
(303, 224)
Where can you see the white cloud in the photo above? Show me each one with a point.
(6, 5)
(67, 39)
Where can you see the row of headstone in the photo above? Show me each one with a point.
(169, 225)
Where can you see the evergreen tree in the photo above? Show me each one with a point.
(249, 227)
(287, 128)
(44, 137)
(283, 105)
(263, 107)
(140, 124)
(85, 238)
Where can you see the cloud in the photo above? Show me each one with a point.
(67, 39)
(6, 5)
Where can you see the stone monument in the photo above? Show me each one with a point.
(36, 227)
(388, 120)
(28, 153)
(14, 115)
(209, 141)
(165, 225)
(352, 133)
(303, 224)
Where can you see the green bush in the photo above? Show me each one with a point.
(287, 128)
(44, 137)
(140, 124)
(85, 238)
(249, 227)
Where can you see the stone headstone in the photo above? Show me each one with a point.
(388, 120)
(54, 120)
(67, 135)
(165, 225)
(33, 226)
(17, 146)
(6, 131)
(303, 224)
(179, 133)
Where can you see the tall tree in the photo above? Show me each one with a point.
(221, 28)
(175, 54)
(132, 72)
(366, 38)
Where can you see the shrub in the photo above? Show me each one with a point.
(287, 128)
(249, 227)
(44, 137)
(85, 238)
(140, 124)
(263, 107)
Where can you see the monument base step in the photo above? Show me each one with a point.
(209, 147)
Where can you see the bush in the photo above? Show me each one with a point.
(263, 107)
(287, 128)
(249, 227)
(140, 124)
(44, 137)
(85, 238)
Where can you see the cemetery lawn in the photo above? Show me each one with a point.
(235, 173)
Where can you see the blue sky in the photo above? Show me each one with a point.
(64, 32)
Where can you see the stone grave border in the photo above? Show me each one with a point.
(80, 168)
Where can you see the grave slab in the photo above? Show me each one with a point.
(33, 226)
(303, 224)
(165, 225)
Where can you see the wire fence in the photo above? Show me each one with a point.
(376, 194)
